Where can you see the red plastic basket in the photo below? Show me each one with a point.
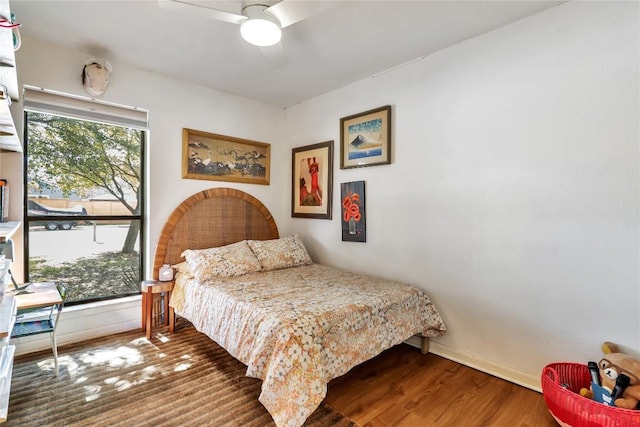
(569, 408)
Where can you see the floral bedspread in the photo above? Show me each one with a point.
(298, 328)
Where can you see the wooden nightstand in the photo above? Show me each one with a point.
(148, 289)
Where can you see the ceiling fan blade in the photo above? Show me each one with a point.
(289, 12)
(202, 8)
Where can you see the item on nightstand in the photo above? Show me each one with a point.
(614, 367)
(166, 273)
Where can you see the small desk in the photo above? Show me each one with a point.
(42, 294)
(32, 300)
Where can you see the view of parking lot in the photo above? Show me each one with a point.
(84, 241)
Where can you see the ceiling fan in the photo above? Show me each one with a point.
(261, 21)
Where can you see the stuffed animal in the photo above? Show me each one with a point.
(610, 367)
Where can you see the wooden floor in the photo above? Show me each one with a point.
(402, 387)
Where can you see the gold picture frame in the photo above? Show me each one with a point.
(216, 157)
(312, 181)
(365, 139)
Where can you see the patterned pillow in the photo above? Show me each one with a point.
(280, 253)
(183, 268)
(235, 259)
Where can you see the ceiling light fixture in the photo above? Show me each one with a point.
(261, 28)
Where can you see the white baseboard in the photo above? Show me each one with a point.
(490, 367)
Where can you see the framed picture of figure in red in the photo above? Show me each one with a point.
(353, 212)
(312, 181)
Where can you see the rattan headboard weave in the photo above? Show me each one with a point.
(210, 218)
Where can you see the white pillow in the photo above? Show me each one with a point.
(235, 259)
(280, 253)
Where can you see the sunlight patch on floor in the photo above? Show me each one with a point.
(91, 392)
(162, 338)
(182, 367)
(80, 380)
(147, 374)
(123, 385)
(120, 357)
(46, 365)
(111, 380)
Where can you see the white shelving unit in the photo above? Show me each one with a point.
(7, 320)
(9, 140)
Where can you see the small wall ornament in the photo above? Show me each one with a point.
(96, 76)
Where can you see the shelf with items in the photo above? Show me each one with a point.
(8, 73)
(9, 140)
(8, 229)
(9, 91)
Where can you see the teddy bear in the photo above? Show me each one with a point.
(610, 367)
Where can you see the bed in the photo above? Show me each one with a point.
(295, 324)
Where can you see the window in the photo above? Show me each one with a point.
(84, 192)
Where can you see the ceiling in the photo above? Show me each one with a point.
(350, 41)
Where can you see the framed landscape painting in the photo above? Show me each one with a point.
(353, 212)
(312, 181)
(224, 158)
(365, 139)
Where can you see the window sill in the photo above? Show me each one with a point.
(102, 304)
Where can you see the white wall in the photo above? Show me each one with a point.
(173, 104)
(513, 193)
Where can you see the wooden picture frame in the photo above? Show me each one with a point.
(353, 218)
(312, 181)
(365, 138)
(224, 158)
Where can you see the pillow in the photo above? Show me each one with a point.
(232, 260)
(280, 253)
(183, 268)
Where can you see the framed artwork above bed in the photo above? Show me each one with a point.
(224, 158)
(312, 181)
(365, 139)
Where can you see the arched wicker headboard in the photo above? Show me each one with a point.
(211, 218)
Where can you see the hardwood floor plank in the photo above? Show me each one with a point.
(403, 388)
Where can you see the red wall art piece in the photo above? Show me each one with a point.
(353, 212)
(312, 181)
